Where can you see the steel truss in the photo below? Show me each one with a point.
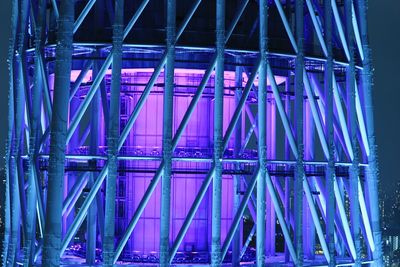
(309, 179)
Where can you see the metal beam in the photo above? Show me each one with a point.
(165, 213)
(83, 14)
(102, 72)
(239, 214)
(339, 27)
(96, 186)
(317, 27)
(294, 150)
(52, 239)
(113, 135)
(329, 132)
(299, 178)
(323, 141)
(352, 119)
(32, 193)
(218, 135)
(178, 133)
(74, 193)
(82, 74)
(10, 118)
(207, 181)
(262, 130)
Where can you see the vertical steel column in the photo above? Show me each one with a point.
(82, 213)
(18, 193)
(15, 215)
(11, 203)
(236, 243)
(113, 135)
(218, 134)
(14, 209)
(352, 122)
(329, 133)
(165, 216)
(262, 146)
(207, 181)
(52, 236)
(299, 169)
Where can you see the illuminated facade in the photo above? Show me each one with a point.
(175, 132)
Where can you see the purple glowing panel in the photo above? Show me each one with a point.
(196, 141)
(145, 139)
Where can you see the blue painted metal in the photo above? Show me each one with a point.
(74, 193)
(317, 28)
(299, 178)
(218, 135)
(52, 237)
(248, 240)
(262, 145)
(83, 14)
(165, 216)
(103, 173)
(55, 8)
(16, 146)
(97, 150)
(184, 123)
(12, 213)
(80, 78)
(352, 119)
(339, 27)
(113, 135)
(207, 181)
(82, 108)
(32, 191)
(329, 133)
(239, 214)
(160, 170)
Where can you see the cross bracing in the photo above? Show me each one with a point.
(174, 132)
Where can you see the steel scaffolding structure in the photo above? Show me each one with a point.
(175, 132)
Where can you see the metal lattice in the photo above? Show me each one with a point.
(175, 132)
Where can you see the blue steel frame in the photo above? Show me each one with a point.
(38, 223)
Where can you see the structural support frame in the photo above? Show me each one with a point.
(41, 107)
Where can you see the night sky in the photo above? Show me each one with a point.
(384, 27)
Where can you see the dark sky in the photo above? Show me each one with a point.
(384, 27)
(384, 35)
(4, 32)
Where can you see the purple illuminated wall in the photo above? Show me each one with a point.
(146, 139)
(196, 142)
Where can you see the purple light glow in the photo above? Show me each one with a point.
(198, 136)
(146, 139)
(228, 75)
